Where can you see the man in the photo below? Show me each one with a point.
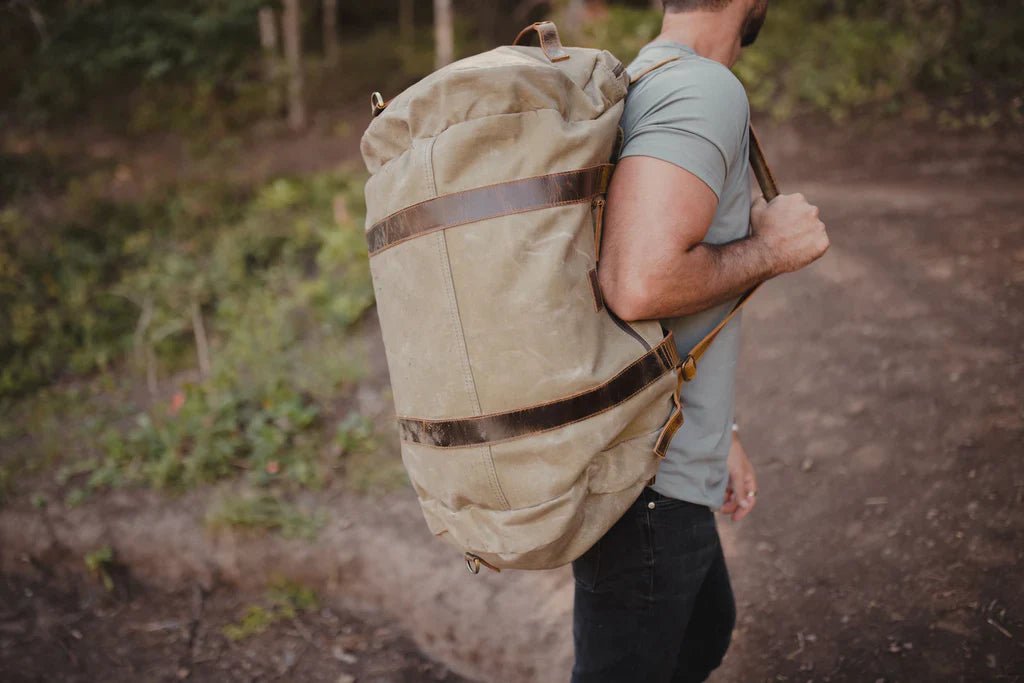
(682, 241)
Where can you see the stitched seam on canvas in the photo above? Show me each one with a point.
(456, 318)
(467, 369)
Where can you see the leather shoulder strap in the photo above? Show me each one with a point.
(652, 68)
(770, 190)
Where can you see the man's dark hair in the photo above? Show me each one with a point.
(688, 5)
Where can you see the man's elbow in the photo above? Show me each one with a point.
(630, 298)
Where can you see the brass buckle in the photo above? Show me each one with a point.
(689, 368)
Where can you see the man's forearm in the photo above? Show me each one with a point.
(719, 273)
(707, 275)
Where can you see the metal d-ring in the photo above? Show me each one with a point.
(377, 104)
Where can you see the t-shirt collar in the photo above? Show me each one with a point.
(671, 44)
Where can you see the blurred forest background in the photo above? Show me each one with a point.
(184, 289)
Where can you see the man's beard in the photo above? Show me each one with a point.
(753, 23)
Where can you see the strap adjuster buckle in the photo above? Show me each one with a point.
(688, 368)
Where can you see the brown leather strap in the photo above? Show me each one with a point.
(770, 190)
(653, 67)
(486, 429)
(490, 201)
(765, 179)
(550, 43)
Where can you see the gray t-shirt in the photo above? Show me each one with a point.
(694, 113)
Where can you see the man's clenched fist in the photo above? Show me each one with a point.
(789, 229)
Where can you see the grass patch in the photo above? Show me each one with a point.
(99, 563)
(264, 512)
(284, 600)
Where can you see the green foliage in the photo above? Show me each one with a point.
(839, 57)
(78, 295)
(263, 513)
(56, 309)
(623, 31)
(284, 600)
(198, 52)
(355, 434)
(254, 621)
(99, 563)
(840, 62)
(266, 282)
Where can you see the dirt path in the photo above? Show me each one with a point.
(880, 399)
(53, 630)
(882, 402)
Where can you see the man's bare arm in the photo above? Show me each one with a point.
(654, 263)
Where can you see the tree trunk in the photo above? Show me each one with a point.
(331, 31)
(292, 30)
(444, 33)
(271, 58)
(202, 344)
(406, 20)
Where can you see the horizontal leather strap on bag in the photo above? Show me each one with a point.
(490, 201)
(487, 429)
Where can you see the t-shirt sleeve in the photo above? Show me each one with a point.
(694, 116)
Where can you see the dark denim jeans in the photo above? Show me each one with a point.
(653, 602)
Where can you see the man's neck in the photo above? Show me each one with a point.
(714, 35)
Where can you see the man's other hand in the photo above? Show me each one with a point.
(790, 230)
(738, 501)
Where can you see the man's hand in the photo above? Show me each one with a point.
(738, 501)
(789, 229)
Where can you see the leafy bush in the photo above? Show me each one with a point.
(838, 57)
(255, 288)
(200, 52)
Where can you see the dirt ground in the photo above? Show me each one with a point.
(70, 629)
(880, 399)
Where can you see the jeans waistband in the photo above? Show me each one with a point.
(648, 494)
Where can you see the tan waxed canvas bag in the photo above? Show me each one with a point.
(530, 416)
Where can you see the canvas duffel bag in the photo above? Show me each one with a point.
(530, 416)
